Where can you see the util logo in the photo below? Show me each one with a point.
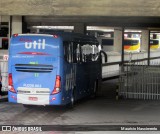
(36, 45)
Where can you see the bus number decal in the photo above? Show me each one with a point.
(40, 44)
(32, 85)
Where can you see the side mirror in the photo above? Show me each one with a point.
(105, 56)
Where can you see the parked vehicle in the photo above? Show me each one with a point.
(154, 44)
(53, 69)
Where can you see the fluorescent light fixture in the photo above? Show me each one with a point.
(99, 28)
(54, 27)
(133, 31)
(89, 28)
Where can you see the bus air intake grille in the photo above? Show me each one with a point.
(34, 68)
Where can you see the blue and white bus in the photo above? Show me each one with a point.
(49, 69)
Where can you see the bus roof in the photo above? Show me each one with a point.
(66, 36)
(77, 37)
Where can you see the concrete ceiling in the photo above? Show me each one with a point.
(112, 13)
(80, 7)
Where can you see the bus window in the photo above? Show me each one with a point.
(70, 52)
(78, 53)
(86, 52)
(95, 52)
(89, 53)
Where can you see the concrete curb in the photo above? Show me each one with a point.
(4, 98)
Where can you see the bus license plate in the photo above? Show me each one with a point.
(33, 98)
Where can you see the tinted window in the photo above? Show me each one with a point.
(77, 52)
(131, 42)
(89, 52)
(70, 52)
(154, 42)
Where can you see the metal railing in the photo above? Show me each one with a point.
(138, 80)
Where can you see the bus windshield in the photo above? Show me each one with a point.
(154, 42)
(130, 42)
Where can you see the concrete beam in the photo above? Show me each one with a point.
(16, 24)
(80, 8)
(139, 22)
(80, 28)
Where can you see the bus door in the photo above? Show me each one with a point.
(75, 69)
(90, 54)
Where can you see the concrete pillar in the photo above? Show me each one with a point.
(145, 39)
(117, 40)
(80, 28)
(16, 24)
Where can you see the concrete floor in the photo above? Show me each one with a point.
(99, 112)
(105, 110)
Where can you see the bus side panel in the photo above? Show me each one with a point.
(80, 78)
(69, 83)
(56, 99)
